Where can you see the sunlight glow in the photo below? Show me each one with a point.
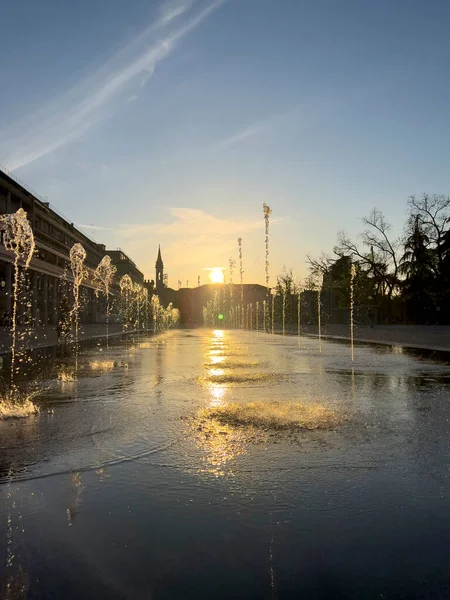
(216, 276)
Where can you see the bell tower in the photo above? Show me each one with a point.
(159, 266)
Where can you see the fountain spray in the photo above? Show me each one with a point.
(17, 237)
(77, 257)
(319, 309)
(352, 289)
(126, 286)
(104, 275)
(299, 302)
(241, 271)
(232, 264)
(267, 212)
(137, 295)
(273, 312)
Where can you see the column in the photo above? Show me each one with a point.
(44, 315)
(34, 294)
(55, 301)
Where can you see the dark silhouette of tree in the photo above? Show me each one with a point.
(416, 265)
(377, 255)
(286, 287)
(432, 212)
(433, 215)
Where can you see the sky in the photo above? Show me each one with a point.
(171, 122)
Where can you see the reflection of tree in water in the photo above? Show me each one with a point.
(75, 498)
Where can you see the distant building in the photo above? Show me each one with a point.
(125, 266)
(191, 301)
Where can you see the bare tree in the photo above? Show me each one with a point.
(319, 266)
(382, 255)
(432, 214)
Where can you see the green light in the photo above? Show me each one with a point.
(220, 317)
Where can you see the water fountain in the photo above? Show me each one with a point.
(319, 309)
(137, 291)
(265, 314)
(104, 276)
(231, 264)
(241, 272)
(352, 286)
(299, 302)
(273, 294)
(77, 257)
(156, 313)
(267, 212)
(18, 238)
(126, 288)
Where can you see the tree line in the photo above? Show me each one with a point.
(404, 279)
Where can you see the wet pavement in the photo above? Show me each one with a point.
(116, 490)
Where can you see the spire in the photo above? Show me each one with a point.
(159, 261)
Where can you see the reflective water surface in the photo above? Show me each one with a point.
(120, 488)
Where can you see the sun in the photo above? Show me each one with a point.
(216, 275)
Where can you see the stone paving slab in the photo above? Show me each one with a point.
(427, 337)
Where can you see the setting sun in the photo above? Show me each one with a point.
(216, 276)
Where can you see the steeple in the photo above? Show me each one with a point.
(159, 261)
(159, 266)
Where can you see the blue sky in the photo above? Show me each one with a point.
(172, 122)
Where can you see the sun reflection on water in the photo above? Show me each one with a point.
(221, 445)
(217, 393)
(216, 360)
(216, 372)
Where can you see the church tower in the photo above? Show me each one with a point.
(159, 266)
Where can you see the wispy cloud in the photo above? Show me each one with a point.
(172, 9)
(192, 238)
(91, 100)
(253, 129)
(242, 135)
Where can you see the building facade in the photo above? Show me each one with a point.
(49, 274)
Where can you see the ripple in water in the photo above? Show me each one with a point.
(274, 415)
(219, 376)
(225, 432)
(223, 363)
